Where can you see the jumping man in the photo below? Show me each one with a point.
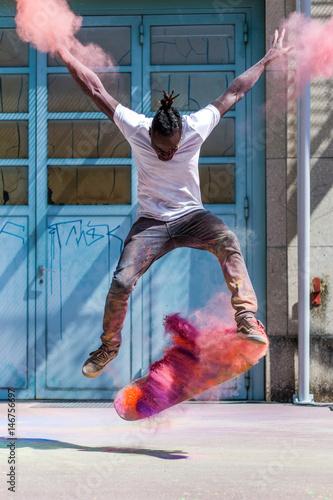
(166, 150)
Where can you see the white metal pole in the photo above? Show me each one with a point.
(303, 230)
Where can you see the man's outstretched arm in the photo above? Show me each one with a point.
(89, 83)
(242, 84)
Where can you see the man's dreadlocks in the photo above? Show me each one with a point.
(167, 120)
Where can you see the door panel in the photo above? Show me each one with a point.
(13, 295)
(198, 59)
(17, 212)
(87, 199)
(83, 255)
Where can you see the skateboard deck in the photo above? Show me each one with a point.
(196, 361)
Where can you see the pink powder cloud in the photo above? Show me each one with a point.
(313, 42)
(48, 24)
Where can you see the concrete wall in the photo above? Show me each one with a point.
(282, 271)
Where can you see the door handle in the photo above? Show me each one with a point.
(42, 270)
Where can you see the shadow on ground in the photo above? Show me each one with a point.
(50, 444)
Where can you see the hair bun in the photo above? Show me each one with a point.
(167, 120)
(167, 101)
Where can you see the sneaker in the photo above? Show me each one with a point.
(98, 361)
(251, 329)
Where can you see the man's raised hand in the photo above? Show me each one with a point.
(277, 50)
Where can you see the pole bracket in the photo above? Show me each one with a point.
(296, 400)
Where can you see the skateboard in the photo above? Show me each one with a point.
(197, 360)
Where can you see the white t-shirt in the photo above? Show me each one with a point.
(167, 189)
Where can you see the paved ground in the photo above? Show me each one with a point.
(197, 451)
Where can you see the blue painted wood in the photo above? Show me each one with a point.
(186, 279)
(76, 116)
(83, 253)
(14, 163)
(89, 161)
(133, 7)
(17, 268)
(13, 116)
(14, 306)
(15, 71)
(82, 244)
(255, 180)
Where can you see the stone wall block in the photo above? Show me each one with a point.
(292, 291)
(321, 203)
(321, 10)
(322, 118)
(321, 265)
(290, 7)
(276, 203)
(292, 202)
(276, 123)
(321, 373)
(291, 113)
(275, 12)
(282, 368)
(277, 299)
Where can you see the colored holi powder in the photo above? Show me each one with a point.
(132, 394)
(313, 46)
(205, 352)
(49, 24)
(311, 58)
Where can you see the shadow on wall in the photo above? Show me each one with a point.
(321, 171)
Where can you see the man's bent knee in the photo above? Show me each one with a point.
(229, 241)
(120, 284)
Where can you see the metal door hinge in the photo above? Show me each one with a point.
(245, 33)
(141, 34)
(246, 207)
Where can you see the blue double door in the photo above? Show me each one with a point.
(71, 199)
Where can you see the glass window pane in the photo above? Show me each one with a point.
(190, 86)
(217, 183)
(14, 139)
(115, 41)
(13, 185)
(13, 52)
(14, 93)
(214, 44)
(65, 96)
(221, 141)
(89, 185)
(86, 139)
